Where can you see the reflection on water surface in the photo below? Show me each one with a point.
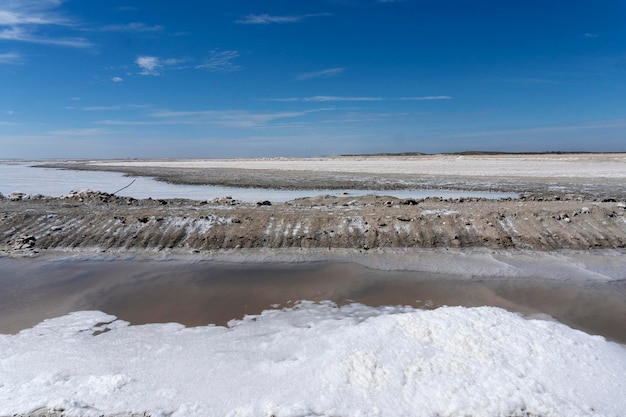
(21, 177)
(200, 293)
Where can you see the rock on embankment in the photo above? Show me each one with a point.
(92, 220)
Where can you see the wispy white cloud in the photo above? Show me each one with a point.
(118, 107)
(31, 12)
(117, 79)
(372, 117)
(426, 98)
(320, 99)
(591, 35)
(10, 58)
(327, 73)
(110, 122)
(131, 27)
(80, 132)
(149, 65)
(240, 119)
(21, 20)
(221, 61)
(8, 17)
(284, 100)
(336, 98)
(173, 61)
(267, 19)
(229, 118)
(154, 65)
(19, 34)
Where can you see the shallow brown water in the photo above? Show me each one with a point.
(200, 293)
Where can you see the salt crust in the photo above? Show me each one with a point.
(315, 360)
(570, 166)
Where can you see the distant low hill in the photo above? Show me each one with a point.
(387, 154)
(479, 153)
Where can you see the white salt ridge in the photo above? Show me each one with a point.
(316, 360)
(581, 266)
(439, 212)
(569, 166)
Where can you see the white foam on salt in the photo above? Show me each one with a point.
(315, 360)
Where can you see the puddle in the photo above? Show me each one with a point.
(201, 293)
(21, 177)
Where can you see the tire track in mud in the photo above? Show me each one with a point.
(105, 222)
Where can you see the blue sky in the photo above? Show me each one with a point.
(160, 78)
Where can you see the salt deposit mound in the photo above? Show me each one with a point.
(315, 360)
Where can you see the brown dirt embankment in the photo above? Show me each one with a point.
(92, 220)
